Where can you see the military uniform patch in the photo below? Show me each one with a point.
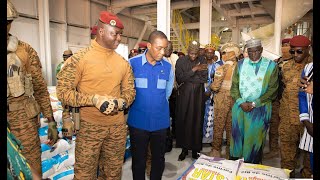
(218, 74)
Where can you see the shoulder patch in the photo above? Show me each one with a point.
(218, 73)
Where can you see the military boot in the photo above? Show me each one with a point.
(214, 153)
(271, 154)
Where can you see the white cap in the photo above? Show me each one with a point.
(253, 43)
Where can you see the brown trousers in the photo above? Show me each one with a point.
(100, 145)
(222, 120)
(26, 131)
(274, 126)
(289, 147)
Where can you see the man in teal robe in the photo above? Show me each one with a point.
(254, 86)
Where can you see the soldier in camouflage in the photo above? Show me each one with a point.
(222, 100)
(66, 55)
(290, 127)
(100, 82)
(275, 119)
(27, 95)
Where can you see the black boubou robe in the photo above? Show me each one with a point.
(190, 105)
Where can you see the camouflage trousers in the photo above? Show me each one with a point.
(274, 125)
(222, 120)
(99, 145)
(26, 130)
(289, 147)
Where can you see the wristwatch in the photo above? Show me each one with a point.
(253, 104)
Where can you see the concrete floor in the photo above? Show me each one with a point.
(174, 168)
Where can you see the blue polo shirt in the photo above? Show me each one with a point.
(153, 84)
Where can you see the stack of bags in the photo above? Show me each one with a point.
(57, 160)
(206, 167)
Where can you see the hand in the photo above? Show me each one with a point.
(115, 109)
(121, 104)
(200, 67)
(207, 93)
(303, 83)
(309, 127)
(105, 104)
(52, 133)
(68, 128)
(246, 106)
(309, 88)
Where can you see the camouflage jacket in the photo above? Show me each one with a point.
(289, 103)
(223, 77)
(95, 70)
(31, 63)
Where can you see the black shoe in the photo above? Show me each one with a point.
(169, 144)
(183, 155)
(233, 158)
(195, 155)
(292, 174)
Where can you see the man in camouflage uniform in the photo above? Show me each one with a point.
(290, 127)
(27, 95)
(100, 82)
(275, 119)
(66, 55)
(222, 100)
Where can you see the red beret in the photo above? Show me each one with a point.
(286, 40)
(300, 41)
(111, 19)
(133, 51)
(181, 54)
(94, 30)
(143, 45)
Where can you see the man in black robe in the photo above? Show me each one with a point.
(191, 74)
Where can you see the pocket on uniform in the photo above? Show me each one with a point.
(161, 84)
(28, 85)
(141, 82)
(32, 108)
(16, 86)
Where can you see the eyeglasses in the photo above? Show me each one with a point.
(254, 51)
(299, 51)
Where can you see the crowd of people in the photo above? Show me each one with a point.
(192, 98)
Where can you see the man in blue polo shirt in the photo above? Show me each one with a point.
(149, 115)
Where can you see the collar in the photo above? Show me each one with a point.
(255, 62)
(98, 47)
(144, 59)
